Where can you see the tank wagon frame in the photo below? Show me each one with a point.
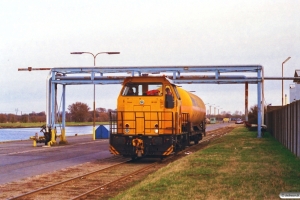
(152, 123)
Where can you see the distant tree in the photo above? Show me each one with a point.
(3, 118)
(228, 115)
(104, 117)
(252, 115)
(79, 111)
(33, 117)
(68, 116)
(109, 110)
(24, 118)
(11, 118)
(42, 118)
(101, 110)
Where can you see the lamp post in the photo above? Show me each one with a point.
(210, 108)
(282, 79)
(94, 104)
(207, 114)
(218, 116)
(219, 110)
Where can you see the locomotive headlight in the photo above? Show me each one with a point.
(142, 102)
(127, 128)
(156, 128)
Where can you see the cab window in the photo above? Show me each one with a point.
(176, 92)
(129, 91)
(142, 89)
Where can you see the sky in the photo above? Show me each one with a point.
(41, 34)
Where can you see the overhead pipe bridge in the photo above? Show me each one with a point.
(227, 74)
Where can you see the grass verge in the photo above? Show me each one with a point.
(236, 166)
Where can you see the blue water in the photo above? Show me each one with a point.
(9, 134)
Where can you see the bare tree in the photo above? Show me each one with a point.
(79, 111)
(101, 110)
(3, 118)
(252, 115)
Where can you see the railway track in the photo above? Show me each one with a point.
(114, 174)
(73, 184)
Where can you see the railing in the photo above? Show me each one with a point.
(284, 125)
(185, 125)
(142, 122)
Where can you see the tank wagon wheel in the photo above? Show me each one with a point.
(186, 141)
(198, 137)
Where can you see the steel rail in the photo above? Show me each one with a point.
(115, 181)
(218, 133)
(71, 179)
(210, 136)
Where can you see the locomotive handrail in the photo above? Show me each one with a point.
(117, 118)
(114, 121)
(185, 122)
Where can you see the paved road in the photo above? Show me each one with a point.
(19, 159)
(210, 127)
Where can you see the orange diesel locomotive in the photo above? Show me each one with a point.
(154, 118)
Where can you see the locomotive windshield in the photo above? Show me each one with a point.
(142, 89)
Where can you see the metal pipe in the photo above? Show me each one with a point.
(259, 105)
(246, 101)
(263, 96)
(282, 79)
(48, 100)
(63, 131)
(179, 78)
(53, 100)
(154, 69)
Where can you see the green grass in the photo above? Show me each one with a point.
(39, 124)
(236, 166)
(21, 125)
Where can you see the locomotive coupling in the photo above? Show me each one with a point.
(139, 146)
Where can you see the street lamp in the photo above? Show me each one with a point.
(217, 107)
(219, 110)
(207, 114)
(210, 108)
(94, 104)
(282, 79)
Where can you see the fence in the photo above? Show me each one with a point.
(284, 124)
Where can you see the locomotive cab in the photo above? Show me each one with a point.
(149, 120)
(152, 89)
